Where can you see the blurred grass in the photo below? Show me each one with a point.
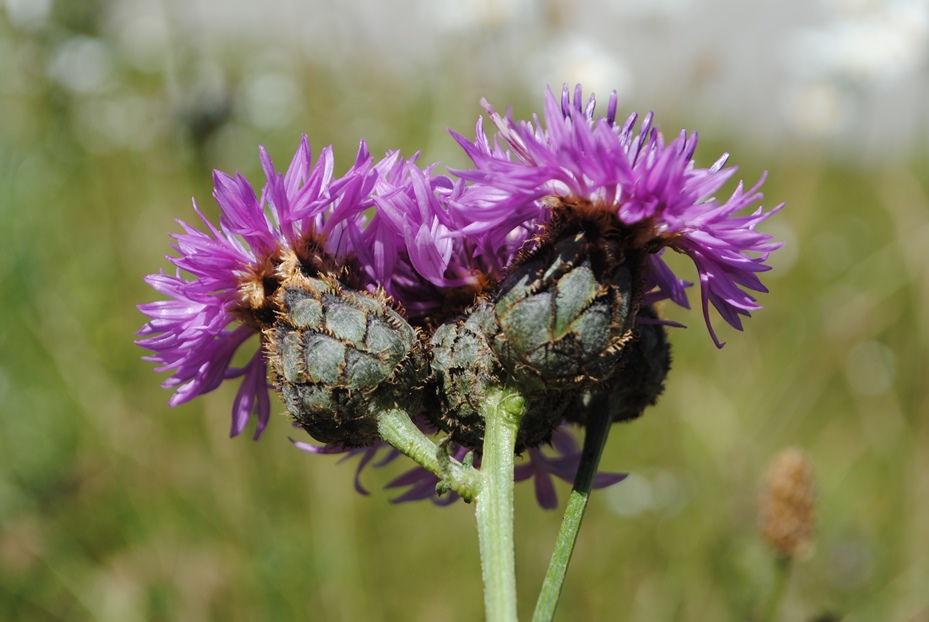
(115, 507)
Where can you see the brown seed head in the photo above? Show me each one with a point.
(788, 503)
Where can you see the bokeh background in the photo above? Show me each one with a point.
(114, 506)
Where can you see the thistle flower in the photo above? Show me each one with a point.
(654, 197)
(237, 280)
(572, 218)
(226, 296)
(564, 310)
(466, 371)
(437, 267)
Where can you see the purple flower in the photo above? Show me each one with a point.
(435, 244)
(421, 226)
(659, 196)
(219, 297)
(221, 294)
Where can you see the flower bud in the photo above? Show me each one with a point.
(466, 369)
(563, 313)
(338, 356)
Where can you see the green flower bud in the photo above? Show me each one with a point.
(339, 356)
(564, 314)
(466, 370)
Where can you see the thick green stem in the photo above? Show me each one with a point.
(502, 413)
(395, 427)
(598, 428)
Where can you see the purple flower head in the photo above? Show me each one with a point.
(421, 226)
(386, 224)
(660, 198)
(220, 295)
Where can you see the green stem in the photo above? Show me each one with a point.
(502, 413)
(396, 427)
(781, 572)
(598, 428)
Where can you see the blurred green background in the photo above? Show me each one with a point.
(114, 506)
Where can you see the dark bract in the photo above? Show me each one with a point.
(564, 317)
(339, 357)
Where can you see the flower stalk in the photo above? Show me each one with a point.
(781, 574)
(396, 428)
(598, 429)
(502, 415)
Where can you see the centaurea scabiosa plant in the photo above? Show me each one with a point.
(494, 306)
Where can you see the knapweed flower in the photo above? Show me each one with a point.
(393, 288)
(437, 266)
(233, 289)
(222, 293)
(645, 195)
(341, 357)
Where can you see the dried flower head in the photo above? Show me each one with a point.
(788, 503)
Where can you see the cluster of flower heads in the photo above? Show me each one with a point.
(433, 243)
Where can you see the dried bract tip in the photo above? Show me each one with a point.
(338, 356)
(788, 503)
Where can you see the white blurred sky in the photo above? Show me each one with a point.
(852, 73)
